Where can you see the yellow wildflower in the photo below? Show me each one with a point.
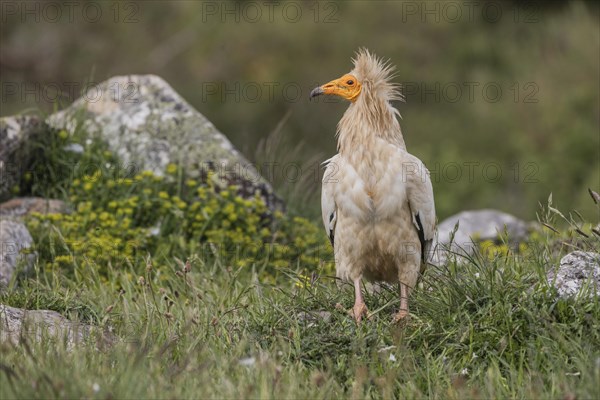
(171, 169)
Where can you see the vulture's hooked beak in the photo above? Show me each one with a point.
(316, 92)
(347, 87)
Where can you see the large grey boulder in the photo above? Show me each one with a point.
(475, 226)
(44, 325)
(576, 270)
(15, 132)
(148, 126)
(14, 239)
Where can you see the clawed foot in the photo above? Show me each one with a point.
(401, 316)
(358, 311)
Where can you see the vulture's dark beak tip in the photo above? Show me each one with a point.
(315, 92)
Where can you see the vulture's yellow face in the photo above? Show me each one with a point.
(347, 87)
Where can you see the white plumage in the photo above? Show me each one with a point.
(377, 199)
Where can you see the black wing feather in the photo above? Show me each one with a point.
(331, 234)
(424, 243)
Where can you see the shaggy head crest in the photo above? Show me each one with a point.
(370, 89)
(376, 76)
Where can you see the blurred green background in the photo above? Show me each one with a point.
(502, 98)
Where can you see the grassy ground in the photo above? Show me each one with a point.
(490, 328)
(250, 326)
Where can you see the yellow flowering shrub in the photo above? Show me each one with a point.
(118, 221)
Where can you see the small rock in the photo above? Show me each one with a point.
(14, 238)
(473, 227)
(22, 206)
(576, 269)
(17, 324)
(313, 316)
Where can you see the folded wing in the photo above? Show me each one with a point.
(328, 206)
(420, 198)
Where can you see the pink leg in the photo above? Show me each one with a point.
(403, 312)
(360, 308)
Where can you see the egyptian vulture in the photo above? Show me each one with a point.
(377, 199)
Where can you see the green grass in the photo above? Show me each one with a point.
(192, 322)
(484, 329)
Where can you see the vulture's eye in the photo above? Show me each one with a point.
(350, 82)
